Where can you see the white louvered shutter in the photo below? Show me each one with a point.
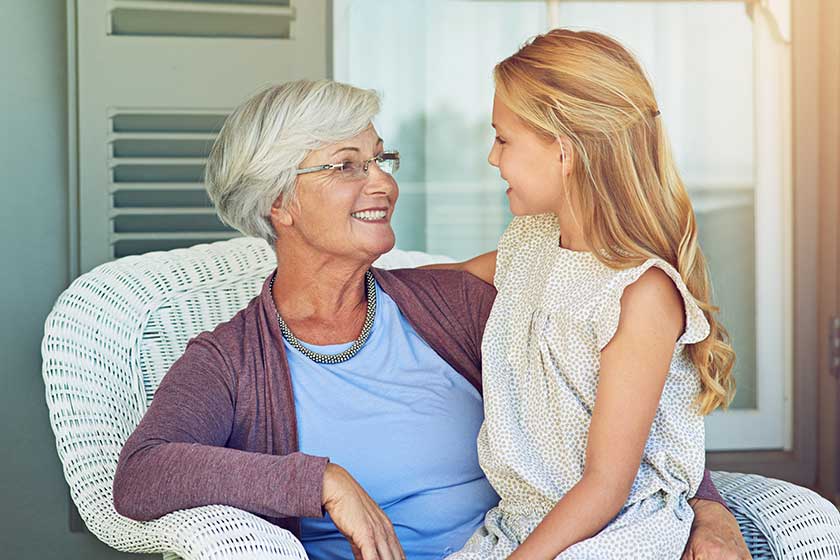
(155, 81)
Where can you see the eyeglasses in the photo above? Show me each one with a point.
(388, 162)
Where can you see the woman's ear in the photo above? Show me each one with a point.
(280, 215)
(565, 154)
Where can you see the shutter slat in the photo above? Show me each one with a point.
(163, 136)
(152, 235)
(126, 187)
(163, 211)
(114, 162)
(156, 209)
(206, 8)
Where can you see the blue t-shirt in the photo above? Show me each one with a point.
(404, 424)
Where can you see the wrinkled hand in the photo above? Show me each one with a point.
(714, 534)
(358, 517)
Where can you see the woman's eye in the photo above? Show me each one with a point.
(350, 166)
(500, 141)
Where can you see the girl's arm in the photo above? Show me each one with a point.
(482, 266)
(634, 366)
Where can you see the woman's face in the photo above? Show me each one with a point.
(344, 216)
(532, 165)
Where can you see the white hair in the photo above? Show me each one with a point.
(254, 158)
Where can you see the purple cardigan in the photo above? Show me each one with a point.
(221, 428)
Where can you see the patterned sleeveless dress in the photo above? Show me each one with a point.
(555, 310)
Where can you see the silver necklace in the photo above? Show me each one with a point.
(370, 292)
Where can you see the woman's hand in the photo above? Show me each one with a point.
(358, 517)
(714, 534)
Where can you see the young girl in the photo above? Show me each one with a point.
(602, 353)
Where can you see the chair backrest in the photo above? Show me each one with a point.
(114, 333)
(206, 286)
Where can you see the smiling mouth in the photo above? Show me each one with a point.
(370, 215)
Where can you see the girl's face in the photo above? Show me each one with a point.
(532, 165)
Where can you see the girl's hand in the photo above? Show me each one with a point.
(358, 517)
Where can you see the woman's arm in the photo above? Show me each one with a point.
(714, 533)
(482, 266)
(634, 366)
(176, 458)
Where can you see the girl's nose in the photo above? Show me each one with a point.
(493, 156)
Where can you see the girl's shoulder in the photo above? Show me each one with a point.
(524, 239)
(527, 230)
(607, 305)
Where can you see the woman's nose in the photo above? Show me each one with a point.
(378, 181)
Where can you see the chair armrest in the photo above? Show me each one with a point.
(218, 532)
(779, 519)
(99, 376)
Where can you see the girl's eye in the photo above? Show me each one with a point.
(500, 141)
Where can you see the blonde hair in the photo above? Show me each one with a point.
(261, 144)
(631, 200)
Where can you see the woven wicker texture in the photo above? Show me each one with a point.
(113, 334)
(780, 520)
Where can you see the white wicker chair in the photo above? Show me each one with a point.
(115, 331)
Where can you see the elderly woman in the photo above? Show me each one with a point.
(344, 401)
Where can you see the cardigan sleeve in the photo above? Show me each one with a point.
(708, 491)
(176, 457)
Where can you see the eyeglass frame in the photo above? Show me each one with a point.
(393, 155)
